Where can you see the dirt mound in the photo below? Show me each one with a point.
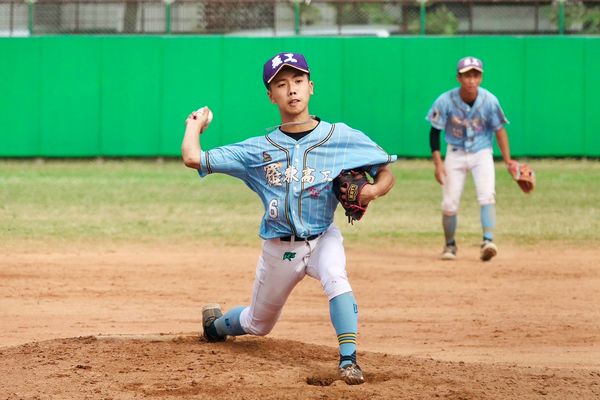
(522, 327)
(182, 366)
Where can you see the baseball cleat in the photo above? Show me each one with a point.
(352, 374)
(449, 252)
(488, 250)
(210, 313)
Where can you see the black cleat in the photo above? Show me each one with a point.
(210, 313)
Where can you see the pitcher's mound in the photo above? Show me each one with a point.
(183, 366)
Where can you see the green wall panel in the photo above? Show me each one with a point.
(131, 112)
(591, 89)
(429, 70)
(554, 96)
(20, 117)
(70, 95)
(367, 83)
(130, 95)
(192, 78)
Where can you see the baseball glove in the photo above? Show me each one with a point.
(525, 177)
(352, 181)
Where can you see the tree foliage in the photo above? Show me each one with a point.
(440, 21)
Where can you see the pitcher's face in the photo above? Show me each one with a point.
(291, 90)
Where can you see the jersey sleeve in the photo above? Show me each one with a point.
(230, 160)
(362, 151)
(496, 115)
(437, 114)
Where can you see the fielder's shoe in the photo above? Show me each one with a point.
(352, 374)
(449, 252)
(488, 250)
(210, 313)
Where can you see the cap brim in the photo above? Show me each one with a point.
(287, 65)
(465, 69)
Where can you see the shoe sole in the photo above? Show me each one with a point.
(488, 252)
(211, 310)
(208, 311)
(211, 306)
(448, 256)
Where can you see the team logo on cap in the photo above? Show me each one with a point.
(467, 63)
(277, 61)
(472, 62)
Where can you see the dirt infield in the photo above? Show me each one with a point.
(122, 321)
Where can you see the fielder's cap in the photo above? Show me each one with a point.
(469, 63)
(277, 62)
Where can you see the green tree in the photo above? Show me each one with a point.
(364, 14)
(441, 21)
(578, 17)
(309, 15)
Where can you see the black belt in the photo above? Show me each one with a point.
(298, 238)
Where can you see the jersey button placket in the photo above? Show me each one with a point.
(297, 185)
(294, 186)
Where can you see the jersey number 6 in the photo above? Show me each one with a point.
(273, 213)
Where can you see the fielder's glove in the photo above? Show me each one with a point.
(525, 177)
(352, 181)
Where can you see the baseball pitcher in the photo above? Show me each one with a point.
(470, 116)
(292, 170)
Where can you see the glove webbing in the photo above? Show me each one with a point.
(351, 209)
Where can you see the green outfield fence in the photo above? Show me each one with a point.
(104, 96)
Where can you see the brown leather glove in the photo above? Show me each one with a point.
(525, 177)
(347, 188)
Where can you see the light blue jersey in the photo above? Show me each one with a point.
(468, 128)
(294, 178)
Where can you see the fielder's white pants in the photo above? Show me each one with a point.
(282, 265)
(458, 164)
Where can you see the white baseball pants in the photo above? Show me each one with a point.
(282, 265)
(458, 164)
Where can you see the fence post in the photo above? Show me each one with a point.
(297, 17)
(30, 11)
(168, 16)
(561, 17)
(422, 16)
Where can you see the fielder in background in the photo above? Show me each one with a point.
(292, 169)
(470, 116)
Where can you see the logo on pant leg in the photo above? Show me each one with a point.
(289, 255)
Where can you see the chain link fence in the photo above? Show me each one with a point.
(299, 17)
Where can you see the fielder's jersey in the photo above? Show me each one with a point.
(294, 178)
(469, 128)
